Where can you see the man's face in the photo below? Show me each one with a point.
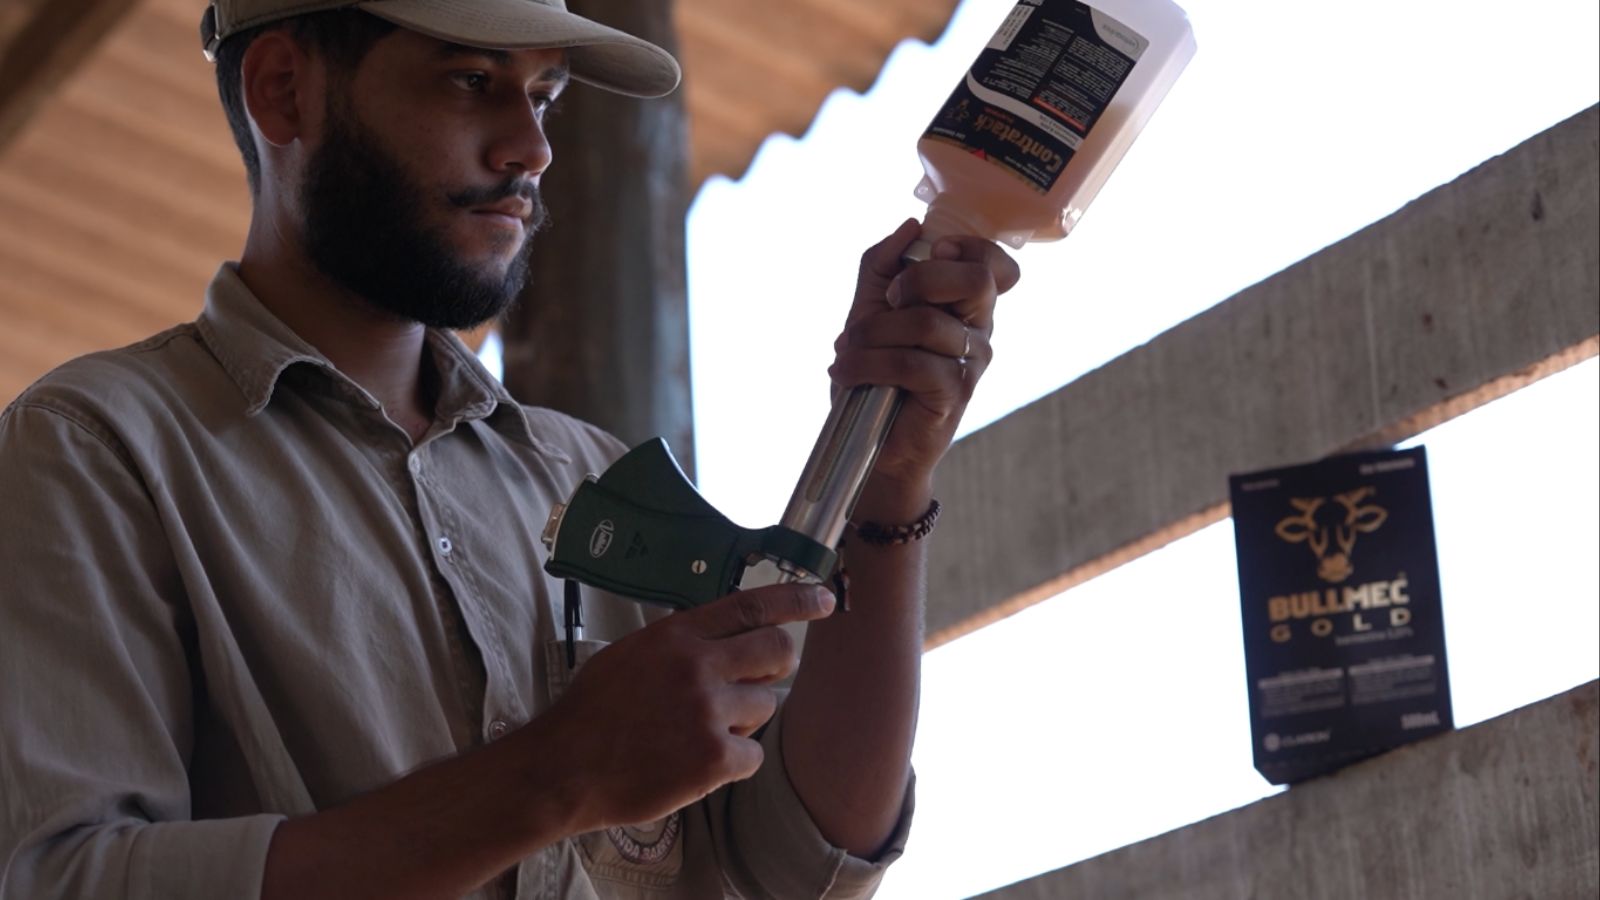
(422, 195)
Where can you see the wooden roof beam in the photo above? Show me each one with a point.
(48, 46)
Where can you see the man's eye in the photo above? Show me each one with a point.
(541, 103)
(471, 81)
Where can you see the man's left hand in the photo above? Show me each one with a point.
(925, 328)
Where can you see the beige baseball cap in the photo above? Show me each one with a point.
(598, 54)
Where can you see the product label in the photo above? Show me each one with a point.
(1344, 638)
(1037, 89)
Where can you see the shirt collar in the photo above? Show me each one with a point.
(255, 348)
(468, 391)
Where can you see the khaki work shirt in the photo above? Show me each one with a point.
(232, 591)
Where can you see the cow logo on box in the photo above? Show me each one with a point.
(1351, 518)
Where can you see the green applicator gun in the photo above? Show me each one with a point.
(642, 530)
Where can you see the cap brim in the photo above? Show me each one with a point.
(598, 54)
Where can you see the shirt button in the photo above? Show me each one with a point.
(416, 465)
(498, 729)
(445, 546)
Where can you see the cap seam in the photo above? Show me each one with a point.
(319, 6)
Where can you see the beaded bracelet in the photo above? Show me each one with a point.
(882, 536)
(889, 535)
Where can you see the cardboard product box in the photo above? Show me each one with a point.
(1343, 632)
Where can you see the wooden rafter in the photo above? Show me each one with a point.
(42, 42)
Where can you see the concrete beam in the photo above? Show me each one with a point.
(1468, 293)
(1507, 808)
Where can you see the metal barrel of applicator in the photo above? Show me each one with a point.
(842, 459)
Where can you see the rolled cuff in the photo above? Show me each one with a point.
(155, 861)
(781, 847)
(208, 858)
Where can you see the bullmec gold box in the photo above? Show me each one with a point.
(1343, 630)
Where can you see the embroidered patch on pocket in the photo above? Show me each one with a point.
(648, 855)
(647, 845)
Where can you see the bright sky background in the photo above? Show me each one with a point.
(1077, 727)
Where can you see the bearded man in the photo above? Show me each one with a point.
(273, 618)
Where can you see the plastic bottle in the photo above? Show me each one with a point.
(1017, 153)
(1029, 137)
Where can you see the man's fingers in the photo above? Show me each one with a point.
(960, 288)
(882, 261)
(924, 327)
(748, 610)
(747, 707)
(940, 382)
(763, 655)
(993, 257)
(738, 759)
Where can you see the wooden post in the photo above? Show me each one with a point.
(602, 331)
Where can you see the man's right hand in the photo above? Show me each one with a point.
(663, 717)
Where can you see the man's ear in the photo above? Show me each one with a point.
(275, 78)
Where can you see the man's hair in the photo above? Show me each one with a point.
(341, 37)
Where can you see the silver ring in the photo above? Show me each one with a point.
(966, 342)
(961, 366)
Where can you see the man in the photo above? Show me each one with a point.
(272, 614)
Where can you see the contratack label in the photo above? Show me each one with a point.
(1038, 88)
(1343, 628)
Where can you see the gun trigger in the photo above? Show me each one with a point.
(558, 515)
(552, 526)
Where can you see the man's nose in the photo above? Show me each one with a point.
(520, 142)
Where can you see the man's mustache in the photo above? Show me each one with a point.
(521, 188)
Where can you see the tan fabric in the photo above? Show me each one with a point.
(232, 591)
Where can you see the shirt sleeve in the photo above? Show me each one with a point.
(770, 847)
(96, 696)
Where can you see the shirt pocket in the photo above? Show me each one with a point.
(647, 857)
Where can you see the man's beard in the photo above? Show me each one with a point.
(366, 229)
